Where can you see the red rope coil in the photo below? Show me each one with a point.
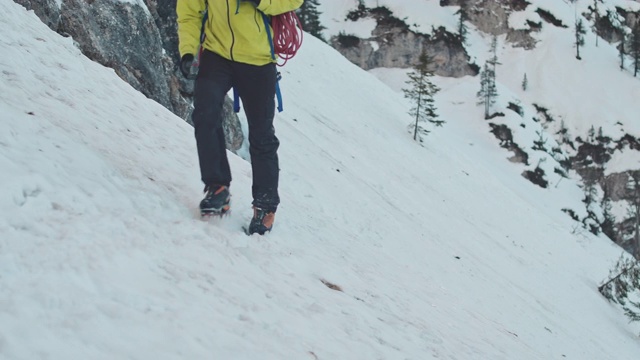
(287, 35)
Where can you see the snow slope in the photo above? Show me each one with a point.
(439, 252)
(577, 94)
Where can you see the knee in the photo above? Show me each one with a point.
(207, 104)
(264, 143)
(207, 115)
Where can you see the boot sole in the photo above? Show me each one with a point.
(246, 231)
(215, 212)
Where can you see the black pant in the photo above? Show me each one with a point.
(256, 86)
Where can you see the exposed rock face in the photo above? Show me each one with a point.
(138, 41)
(121, 36)
(609, 26)
(393, 45)
(505, 135)
(625, 187)
(615, 186)
(590, 162)
(492, 17)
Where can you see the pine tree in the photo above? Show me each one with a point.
(622, 50)
(422, 94)
(633, 186)
(563, 132)
(310, 18)
(591, 135)
(608, 220)
(565, 137)
(493, 60)
(488, 89)
(590, 194)
(596, 12)
(540, 143)
(624, 280)
(488, 93)
(602, 139)
(525, 83)
(579, 33)
(633, 46)
(463, 29)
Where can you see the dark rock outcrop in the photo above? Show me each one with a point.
(492, 17)
(394, 45)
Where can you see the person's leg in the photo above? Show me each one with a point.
(256, 86)
(212, 84)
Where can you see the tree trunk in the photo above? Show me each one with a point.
(487, 105)
(415, 130)
(636, 252)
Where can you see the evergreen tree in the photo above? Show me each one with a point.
(493, 60)
(591, 221)
(591, 135)
(565, 137)
(540, 143)
(422, 94)
(622, 50)
(608, 220)
(590, 194)
(633, 186)
(596, 16)
(488, 89)
(525, 83)
(579, 33)
(633, 46)
(602, 139)
(463, 29)
(624, 280)
(310, 18)
(488, 93)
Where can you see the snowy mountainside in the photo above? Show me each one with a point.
(382, 249)
(575, 118)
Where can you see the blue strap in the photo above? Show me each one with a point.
(236, 101)
(267, 26)
(279, 93)
(204, 21)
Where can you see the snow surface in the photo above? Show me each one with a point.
(440, 252)
(518, 20)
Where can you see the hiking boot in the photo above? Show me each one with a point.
(261, 222)
(216, 201)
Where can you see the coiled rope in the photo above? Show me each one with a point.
(287, 35)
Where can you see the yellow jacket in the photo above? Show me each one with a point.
(234, 30)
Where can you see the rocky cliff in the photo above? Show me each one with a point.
(394, 45)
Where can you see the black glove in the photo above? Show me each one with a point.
(185, 65)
